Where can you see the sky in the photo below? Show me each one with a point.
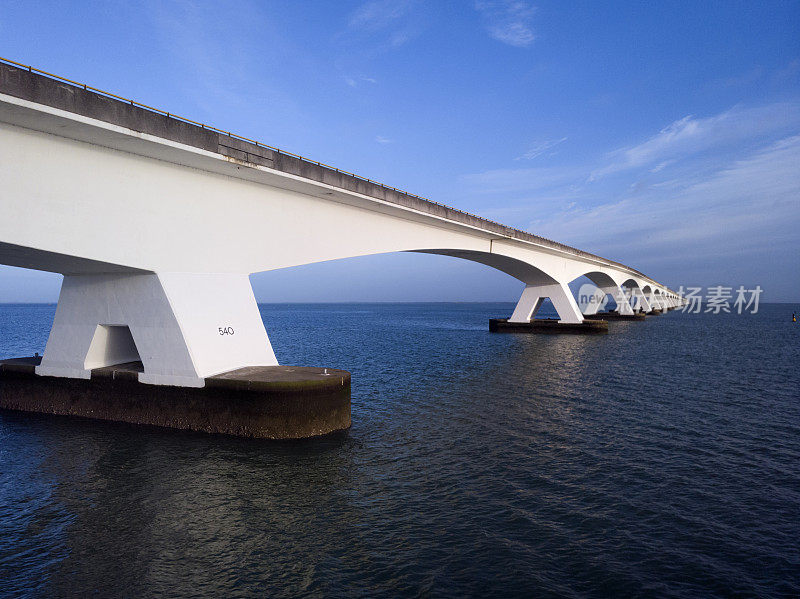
(665, 136)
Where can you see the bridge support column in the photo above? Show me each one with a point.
(534, 295)
(641, 300)
(654, 303)
(620, 297)
(183, 327)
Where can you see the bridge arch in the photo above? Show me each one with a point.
(539, 284)
(637, 297)
(519, 269)
(608, 286)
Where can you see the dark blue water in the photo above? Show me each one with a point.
(661, 460)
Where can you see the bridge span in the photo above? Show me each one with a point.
(156, 223)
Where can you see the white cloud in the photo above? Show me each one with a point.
(748, 205)
(383, 140)
(689, 136)
(521, 180)
(378, 14)
(703, 200)
(661, 166)
(508, 21)
(381, 25)
(540, 148)
(354, 81)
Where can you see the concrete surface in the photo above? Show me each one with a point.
(615, 316)
(548, 326)
(270, 402)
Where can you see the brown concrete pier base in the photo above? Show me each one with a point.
(654, 312)
(548, 326)
(615, 316)
(268, 402)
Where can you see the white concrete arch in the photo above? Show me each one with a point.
(608, 284)
(636, 295)
(658, 299)
(528, 273)
(537, 271)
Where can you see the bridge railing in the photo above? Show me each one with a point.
(224, 132)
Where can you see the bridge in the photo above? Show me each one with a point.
(156, 223)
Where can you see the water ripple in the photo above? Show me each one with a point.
(660, 460)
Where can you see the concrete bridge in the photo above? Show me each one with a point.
(156, 222)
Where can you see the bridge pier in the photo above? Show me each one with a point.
(267, 402)
(179, 350)
(533, 297)
(616, 316)
(183, 327)
(620, 297)
(641, 300)
(570, 317)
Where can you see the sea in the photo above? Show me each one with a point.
(660, 460)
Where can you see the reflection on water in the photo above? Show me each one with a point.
(661, 459)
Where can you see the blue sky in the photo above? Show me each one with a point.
(663, 135)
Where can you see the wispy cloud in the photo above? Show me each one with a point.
(540, 148)
(355, 81)
(701, 195)
(749, 204)
(522, 181)
(378, 14)
(508, 21)
(216, 47)
(388, 20)
(690, 136)
(661, 166)
(383, 140)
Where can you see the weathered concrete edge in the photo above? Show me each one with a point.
(615, 316)
(278, 410)
(548, 326)
(34, 87)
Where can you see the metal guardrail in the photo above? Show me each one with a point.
(304, 159)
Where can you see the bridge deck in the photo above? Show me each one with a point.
(56, 92)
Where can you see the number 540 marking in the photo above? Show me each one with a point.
(226, 330)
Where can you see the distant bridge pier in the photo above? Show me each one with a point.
(640, 299)
(620, 298)
(662, 300)
(655, 302)
(570, 319)
(534, 295)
